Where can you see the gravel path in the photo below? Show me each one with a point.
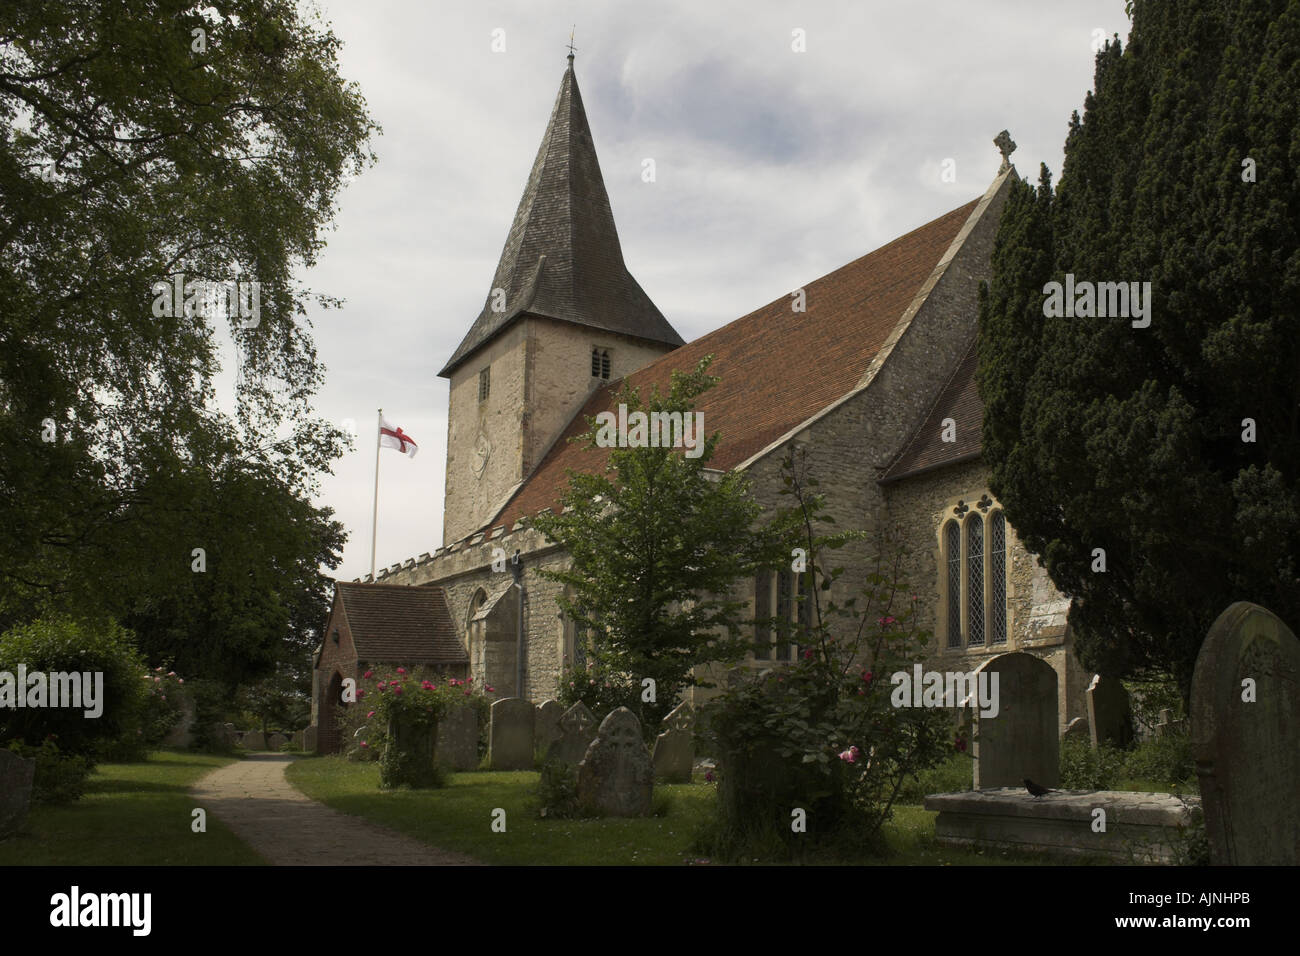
(254, 799)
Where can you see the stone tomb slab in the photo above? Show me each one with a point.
(1140, 827)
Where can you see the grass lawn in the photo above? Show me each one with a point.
(131, 814)
(459, 817)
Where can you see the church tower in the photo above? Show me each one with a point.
(562, 317)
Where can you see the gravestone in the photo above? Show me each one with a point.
(616, 778)
(16, 775)
(510, 735)
(577, 731)
(1077, 729)
(458, 735)
(674, 753)
(276, 742)
(1168, 725)
(1110, 718)
(547, 725)
(253, 740)
(309, 739)
(182, 735)
(1248, 751)
(1023, 739)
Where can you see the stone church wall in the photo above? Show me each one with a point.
(1036, 611)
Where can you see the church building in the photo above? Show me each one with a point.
(870, 371)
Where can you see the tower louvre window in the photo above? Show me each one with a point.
(484, 383)
(600, 363)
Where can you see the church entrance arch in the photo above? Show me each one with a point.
(330, 705)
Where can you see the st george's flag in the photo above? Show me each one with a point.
(390, 437)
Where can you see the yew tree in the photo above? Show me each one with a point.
(1172, 450)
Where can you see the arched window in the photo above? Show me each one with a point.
(952, 547)
(975, 578)
(784, 583)
(762, 614)
(600, 363)
(779, 618)
(997, 578)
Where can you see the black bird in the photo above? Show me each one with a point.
(1035, 789)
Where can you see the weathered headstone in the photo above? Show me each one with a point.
(253, 740)
(1077, 729)
(309, 739)
(182, 735)
(674, 753)
(510, 735)
(276, 742)
(458, 734)
(1110, 718)
(616, 778)
(16, 775)
(1245, 712)
(1022, 739)
(547, 727)
(577, 731)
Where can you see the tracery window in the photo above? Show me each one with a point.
(973, 576)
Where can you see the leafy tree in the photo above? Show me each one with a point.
(656, 544)
(166, 141)
(824, 734)
(1183, 171)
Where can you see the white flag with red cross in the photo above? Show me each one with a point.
(392, 437)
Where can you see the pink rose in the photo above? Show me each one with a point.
(401, 670)
(807, 655)
(382, 684)
(180, 680)
(360, 694)
(492, 689)
(467, 693)
(848, 756)
(368, 674)
(396, 689)
(364, 744)
(369, 715)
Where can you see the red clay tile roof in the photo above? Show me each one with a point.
(958, 400)
(777, 367)
(392, 623)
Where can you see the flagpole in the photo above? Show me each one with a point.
(374, 515)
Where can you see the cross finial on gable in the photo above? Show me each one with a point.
(1006, 146)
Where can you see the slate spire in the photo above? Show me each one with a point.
(562, 258)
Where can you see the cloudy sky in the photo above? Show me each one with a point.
(773, 167)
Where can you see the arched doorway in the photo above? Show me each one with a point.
(327, 741)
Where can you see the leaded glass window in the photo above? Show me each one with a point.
(952, 544)
(975, 578)
(997, 578)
